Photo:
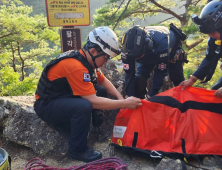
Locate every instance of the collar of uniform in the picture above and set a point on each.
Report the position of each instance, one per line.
(82, 52)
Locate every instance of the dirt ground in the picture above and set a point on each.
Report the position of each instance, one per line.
(21, 155)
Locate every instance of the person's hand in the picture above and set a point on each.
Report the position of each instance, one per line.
(218, 93)
(192, 79)
(186, 83)
(132, 102)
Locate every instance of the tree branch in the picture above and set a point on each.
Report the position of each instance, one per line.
(22, 61)
(121, 14)
(165, 20)
(117, 9)
(194, 44)
(5, 35)
(31, 56)
(139, 12)
(13, 59)
(169, 12)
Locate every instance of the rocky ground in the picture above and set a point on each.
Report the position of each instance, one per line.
(21, 155)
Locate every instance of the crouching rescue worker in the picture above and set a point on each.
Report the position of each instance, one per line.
(209, 22)
(68, 88)
(154, 48)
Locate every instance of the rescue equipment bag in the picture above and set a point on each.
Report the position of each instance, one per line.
(5, 160)
(175, 122)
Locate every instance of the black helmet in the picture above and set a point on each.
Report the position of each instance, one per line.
(135, 42)
(210, 19)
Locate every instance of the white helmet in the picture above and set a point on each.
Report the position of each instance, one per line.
(106, 39)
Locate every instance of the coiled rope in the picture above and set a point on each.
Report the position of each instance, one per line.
(111, 163)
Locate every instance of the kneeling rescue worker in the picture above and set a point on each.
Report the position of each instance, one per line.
(155, 49)
(69, 89)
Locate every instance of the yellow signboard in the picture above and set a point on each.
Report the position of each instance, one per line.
(68, 12)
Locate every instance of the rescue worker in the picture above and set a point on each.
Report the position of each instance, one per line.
(67, 90)
(209, 22)
(154, 48)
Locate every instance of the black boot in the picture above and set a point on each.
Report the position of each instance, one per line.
(87, 156)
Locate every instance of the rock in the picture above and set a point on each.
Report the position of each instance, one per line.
(23, 127)
(4, 112)
(211, 162)
(169, 164)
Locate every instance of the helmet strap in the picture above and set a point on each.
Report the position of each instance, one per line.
(94, 57)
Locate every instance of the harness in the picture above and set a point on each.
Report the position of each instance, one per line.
(177, 52)
(47, 90)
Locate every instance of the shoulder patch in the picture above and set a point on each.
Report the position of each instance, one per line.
(86, 77)
(125, 66)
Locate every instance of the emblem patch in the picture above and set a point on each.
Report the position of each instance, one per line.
(162, 66)
(125, 66)
(86, 77)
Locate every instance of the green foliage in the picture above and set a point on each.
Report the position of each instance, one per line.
(24, 40)
(10, 85)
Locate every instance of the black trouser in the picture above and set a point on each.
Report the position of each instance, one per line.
(69, 113)
(175, 71)
(217, 85)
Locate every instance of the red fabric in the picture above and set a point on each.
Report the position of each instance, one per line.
(161, 127)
